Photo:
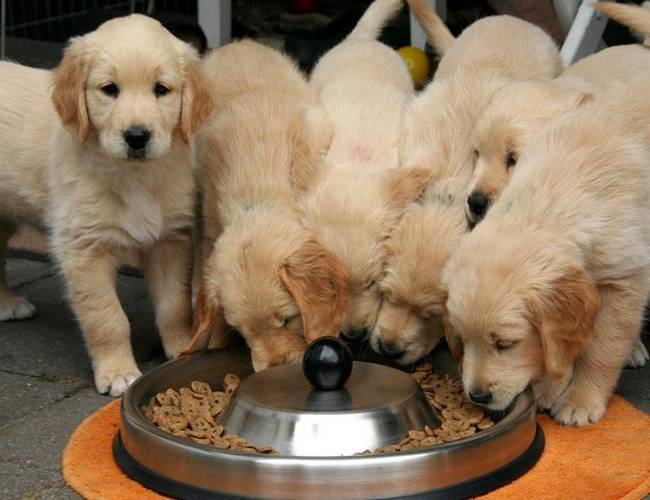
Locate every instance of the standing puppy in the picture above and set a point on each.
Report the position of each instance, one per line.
(359, 194)
(550, 288)
(435, 137)
(113, 175)
(263, 272)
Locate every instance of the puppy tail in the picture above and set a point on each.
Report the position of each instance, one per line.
(437, 32)
(634, 17)
(375, 18)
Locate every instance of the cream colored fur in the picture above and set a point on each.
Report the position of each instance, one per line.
(71, 174)
(550, 288)
(263, 272)
(353, 202)
(435, 137)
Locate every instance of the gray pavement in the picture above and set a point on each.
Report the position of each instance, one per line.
(46, 379)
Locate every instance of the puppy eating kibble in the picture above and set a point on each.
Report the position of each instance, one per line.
(105, 166)
(263, 273)
(435, 137)
(358, 195)
(550, 288)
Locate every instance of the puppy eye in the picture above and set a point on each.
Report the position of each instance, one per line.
(504, 345)
(161, 90)
(110, 89)
(511, 160)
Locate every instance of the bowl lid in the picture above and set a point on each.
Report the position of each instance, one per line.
(370, 387)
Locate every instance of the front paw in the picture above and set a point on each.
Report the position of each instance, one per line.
(115, 378)
(175, 343)
(578, 411)
(639, 355)
(12, 307)
(548, 390)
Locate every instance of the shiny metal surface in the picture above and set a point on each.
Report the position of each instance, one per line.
(380, 476)
(278, 407)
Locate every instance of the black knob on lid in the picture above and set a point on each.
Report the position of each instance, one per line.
(327, 363)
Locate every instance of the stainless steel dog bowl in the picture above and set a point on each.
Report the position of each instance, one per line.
(279, 405)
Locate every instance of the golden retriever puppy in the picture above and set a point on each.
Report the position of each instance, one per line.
(104, 164)
(550, 288)
(264, 273)
(515, 114)
(518, 110)
(436, 131)
(358, 195)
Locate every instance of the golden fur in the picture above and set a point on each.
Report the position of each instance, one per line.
(436, 130)
(73, 175)
(354, 200)
(263, 272)
(550, 288)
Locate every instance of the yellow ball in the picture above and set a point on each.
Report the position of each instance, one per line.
(417, 63)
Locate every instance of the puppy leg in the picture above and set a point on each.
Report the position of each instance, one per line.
(168, 271)
(639, 355)
(90, 273)
(548, 390)
(599, 366)
(11, 306)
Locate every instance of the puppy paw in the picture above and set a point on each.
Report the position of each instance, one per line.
(115, 381)
(567, 411)
(547, 391)
(13, 307)
(176, 343)
(639, 355)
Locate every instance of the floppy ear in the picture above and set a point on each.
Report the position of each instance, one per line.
(197, 102)
(311, 142)
(564, 317)
(69, 89)
(209, 326)
(406, 185)
(318, 283)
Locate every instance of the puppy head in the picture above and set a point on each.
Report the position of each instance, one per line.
(508, 124)
(131, 86)
(276, 285)
(409, 324)
(519, 310)
(363, 245)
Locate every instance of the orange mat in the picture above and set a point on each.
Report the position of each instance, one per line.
(608, 460)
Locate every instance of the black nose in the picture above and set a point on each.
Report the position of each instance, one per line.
(137, 137)
(390, 350)
(480, 398)
(355, 335)
(477, 203)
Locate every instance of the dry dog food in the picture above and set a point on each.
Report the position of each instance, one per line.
(459, 417)
(191, 412)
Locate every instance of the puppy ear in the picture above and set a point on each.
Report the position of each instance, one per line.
(197, 101)
(209, 326)
(406, 185)
(564, 318)
(318, 283)
(311, 141)
(69, 89)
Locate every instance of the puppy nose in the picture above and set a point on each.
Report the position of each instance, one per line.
(137, 137)
(390, 350)
(480, 398)
(477, 203)
(355, 335)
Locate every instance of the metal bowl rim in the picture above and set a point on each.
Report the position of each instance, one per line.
(138, 420)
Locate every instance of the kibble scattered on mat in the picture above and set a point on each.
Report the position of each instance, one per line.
(191, 412)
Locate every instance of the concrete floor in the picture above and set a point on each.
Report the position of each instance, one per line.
(46, 378)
